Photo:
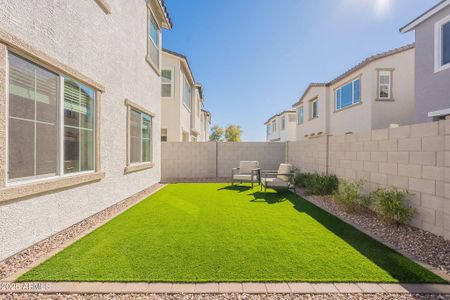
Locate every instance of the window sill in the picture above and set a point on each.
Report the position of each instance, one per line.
(45, 186)
(385, 99)
(441, 68)
(138, 167)
(347, 107)
(150, 62)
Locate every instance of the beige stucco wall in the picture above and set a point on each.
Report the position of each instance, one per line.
(313, 126)
(289, 132)
(170, 114)
(370, 113)
(123, 72)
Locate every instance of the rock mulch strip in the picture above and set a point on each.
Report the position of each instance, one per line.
(229, 296)
(424, 246)
(41, 250)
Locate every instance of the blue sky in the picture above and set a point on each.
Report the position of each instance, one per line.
(256, 57)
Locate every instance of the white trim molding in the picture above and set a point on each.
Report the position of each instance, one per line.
(438, 53)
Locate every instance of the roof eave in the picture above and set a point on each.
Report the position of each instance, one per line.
(429, 13)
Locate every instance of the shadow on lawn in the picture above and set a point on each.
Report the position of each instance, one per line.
(238, 188)
(398, 266)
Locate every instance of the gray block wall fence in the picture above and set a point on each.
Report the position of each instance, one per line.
(415, 157)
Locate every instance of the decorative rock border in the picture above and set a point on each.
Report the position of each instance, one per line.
(17, 264)
(424, 248)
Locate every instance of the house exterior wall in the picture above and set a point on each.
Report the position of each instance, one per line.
(170, 114)
(282, 135)
(432, 89)
(177, 116)
(317, 125)
(78, 34)
(370, 113)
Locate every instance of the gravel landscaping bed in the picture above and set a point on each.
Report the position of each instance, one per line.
(230, 296)
(27, 256)
(424, 246)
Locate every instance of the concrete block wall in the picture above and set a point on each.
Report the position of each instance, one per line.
(211, 160)
(308, 155)
(188, 160)
(269, 155)
(414, 158)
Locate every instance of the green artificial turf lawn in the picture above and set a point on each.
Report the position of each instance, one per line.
(219, 233)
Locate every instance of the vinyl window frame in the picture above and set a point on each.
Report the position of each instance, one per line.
(283, 123)
(379, 84)
(300, 115)
(172, 82)
(138, 166)
(438, 45)
(20, 190)
(313, 102)
(186, 83)
(354, 100)
(148, 58)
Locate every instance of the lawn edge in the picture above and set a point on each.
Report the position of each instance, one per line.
(94, 222)
(430, 268)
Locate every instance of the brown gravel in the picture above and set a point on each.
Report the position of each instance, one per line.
(229, 296)
(25, 257)
(420, 244)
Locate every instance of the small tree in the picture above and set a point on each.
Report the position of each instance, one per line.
(233, 133)
(216, 133)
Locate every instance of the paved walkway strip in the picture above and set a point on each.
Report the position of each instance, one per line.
(215, 288)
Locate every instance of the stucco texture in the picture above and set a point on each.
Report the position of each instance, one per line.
(110, 49)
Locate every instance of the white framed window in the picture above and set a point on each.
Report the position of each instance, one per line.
(348, 94)
(167, 83)
(140, 137)
(187, 93)
(51, 123)
(314, 112)
(384, 85)
(442, 45)
(268, 126)
(300, 115)
(153, 41)
(283, 122)
(274, 126)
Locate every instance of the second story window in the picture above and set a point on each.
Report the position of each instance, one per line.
(442, 42)
(283, 122)
(153, 43)
(274, 126)
(384, 85)
(268, 129)
(314, 109)
(348, 94)
(187, 93)
(300, 115)
(166, 83)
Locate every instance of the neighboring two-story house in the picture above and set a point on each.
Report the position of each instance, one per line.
(205, 125)
(281, 127)
(182, 101)
(376, 93)
(80, 111)
(432, 61)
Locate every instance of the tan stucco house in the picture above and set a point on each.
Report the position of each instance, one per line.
(432, 62)
(281, 127)
(80, 111)
(182, 101)
(376, 93)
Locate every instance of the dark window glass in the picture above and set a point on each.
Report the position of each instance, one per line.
(446, 44)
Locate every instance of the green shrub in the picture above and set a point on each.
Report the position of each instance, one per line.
(348, 195)
(389, 204)
(316, 184)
